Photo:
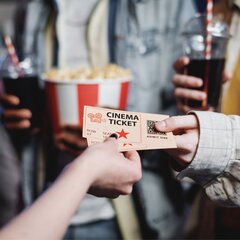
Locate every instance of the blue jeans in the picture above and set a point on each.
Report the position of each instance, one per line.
(104, 229)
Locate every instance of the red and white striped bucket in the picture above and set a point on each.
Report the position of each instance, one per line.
(66, 98)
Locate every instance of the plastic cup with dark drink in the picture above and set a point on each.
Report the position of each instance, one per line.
(25, 85)
(209, 69)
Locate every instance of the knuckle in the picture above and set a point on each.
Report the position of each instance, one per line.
(172, 121)
(176, 92)
(175, 79)
(137, 175)
(188, 94)
(184, 81)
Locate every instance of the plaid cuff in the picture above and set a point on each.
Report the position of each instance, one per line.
(214, 149)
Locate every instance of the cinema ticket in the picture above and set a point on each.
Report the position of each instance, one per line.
(135, 130)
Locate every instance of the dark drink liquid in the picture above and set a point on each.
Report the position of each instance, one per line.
(210, 71)
(29, 93)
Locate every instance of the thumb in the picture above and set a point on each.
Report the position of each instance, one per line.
(177, 123)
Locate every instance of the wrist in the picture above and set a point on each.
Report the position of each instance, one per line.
(83, 167)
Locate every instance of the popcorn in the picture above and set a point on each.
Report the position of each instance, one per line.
(110, 71)
(68, 91)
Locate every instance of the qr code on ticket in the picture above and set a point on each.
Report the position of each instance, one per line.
(151, 128)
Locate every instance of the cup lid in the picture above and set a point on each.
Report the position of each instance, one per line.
(197, 26)
(28, 67)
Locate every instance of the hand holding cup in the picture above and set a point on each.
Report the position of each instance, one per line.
(188, 88)
(13, 118)
(204, 43)
(185, 86)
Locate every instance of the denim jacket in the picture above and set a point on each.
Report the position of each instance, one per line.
(148, 41)
(144, 37)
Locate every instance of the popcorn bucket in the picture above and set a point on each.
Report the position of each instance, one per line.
(66, 98)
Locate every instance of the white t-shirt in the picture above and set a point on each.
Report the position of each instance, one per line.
(71, 31)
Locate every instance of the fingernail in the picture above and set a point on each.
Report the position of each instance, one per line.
(161, 124)
(199, 83)
(186, 60)
(203, 96)
(29, 114)
(114, 135)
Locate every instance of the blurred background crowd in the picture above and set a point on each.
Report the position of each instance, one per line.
(144, 36)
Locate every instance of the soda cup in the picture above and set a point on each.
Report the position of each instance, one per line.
(25, 86)
(209, 69)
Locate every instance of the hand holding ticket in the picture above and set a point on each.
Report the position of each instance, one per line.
(135, 131)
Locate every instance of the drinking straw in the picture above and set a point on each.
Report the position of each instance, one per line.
(13, 55)
(208, 27)
(208, 51)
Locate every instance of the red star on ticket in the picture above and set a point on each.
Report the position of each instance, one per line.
(123, 134)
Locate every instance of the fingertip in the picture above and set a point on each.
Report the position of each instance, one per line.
(161, 126)
(185, 60)
(22, 113)
(180, 64)
(199, 83)
(12, 100)
(227, 76)
(16, 100)
(28, 113)
(25, 124)
(128, 190)
(203, 96)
